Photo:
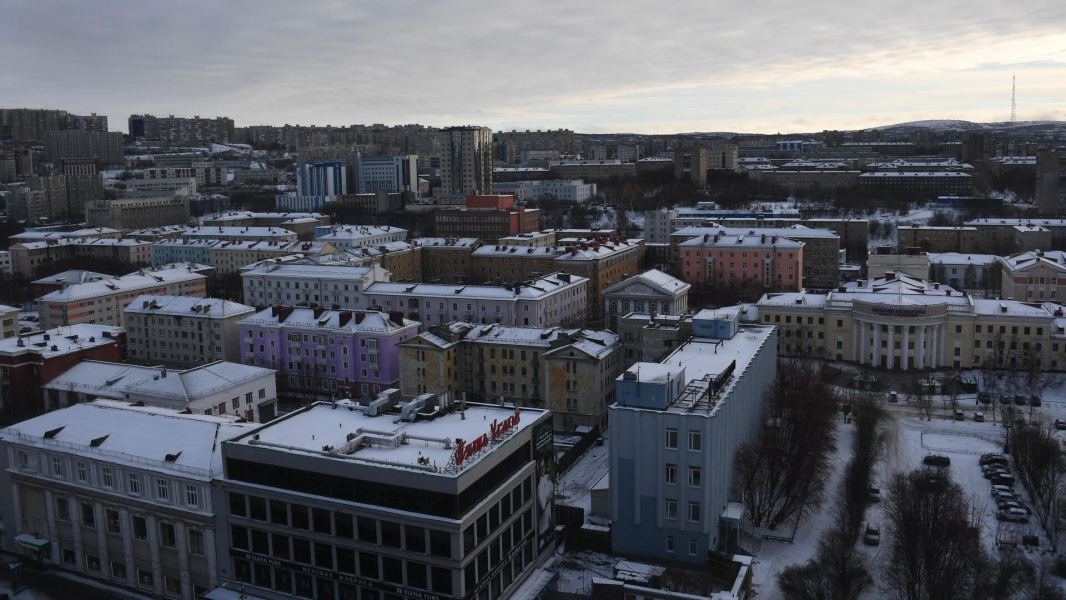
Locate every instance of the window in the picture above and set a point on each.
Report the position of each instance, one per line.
(135, 484)
(192, 495)
(107, 477)
(694, 512)
(162, 489)
(692, 547)
(196, 542)
(113, 524)
(671, 473)
(695, 440)
(167, 535)
(88, 515)
(670, 544)
(140, 528)
(62, 509)
(671, 439)
(57, 466)
(694, 477)
(83, 472)
(671, 509)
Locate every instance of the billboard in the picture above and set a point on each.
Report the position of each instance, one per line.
(545, 455)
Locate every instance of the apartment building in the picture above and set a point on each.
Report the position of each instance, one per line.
(592, 170)
(374, 174)
(118, 493)
(219, 130)
(174, 185)
(937, 239)
(349, 237)
(754, 261)
(1051, 182)
(108, 149)
(102, 301)
(512, 144)
(806, 179)
(28, 362)
(342, 287)
(138, 213)
(926, 184)
(512, 264)
(231, 256)
(999, 236)
(568, 190)
(690, 165)
(487, 218)
(466, 160)
(570, 371)
(321, 353)
(603, 262)
(256, 176)
(912, 262)
(447, 260)
(27, 258)
(183, 331)
(321, 178)
(218, 388)
(652, 291)
(243, 234)
(557, 300)
(30, 124)
(1035, 276)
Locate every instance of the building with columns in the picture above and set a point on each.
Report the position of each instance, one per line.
(901, 322)
(118, 493)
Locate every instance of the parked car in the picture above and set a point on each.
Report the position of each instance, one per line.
(1013, 514)
(1004, 504)
(1035, 400)
(979, 417)
(875, 494)
(959, 416)
(1003, 479)
(937, 460)
(1019, 399)
(872, 535)
(893, 397)
(1004, 399)
(984, 397)
(991, 458)
(990, 473)
(1004, 495)
(1060, 424)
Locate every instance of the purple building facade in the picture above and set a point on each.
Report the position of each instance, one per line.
(322, 353)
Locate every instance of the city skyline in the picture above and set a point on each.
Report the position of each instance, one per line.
(651, 69)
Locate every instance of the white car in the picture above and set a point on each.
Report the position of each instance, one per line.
(1014, 514)
(1003, 495)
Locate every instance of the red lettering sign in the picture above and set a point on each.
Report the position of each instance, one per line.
(464, 449)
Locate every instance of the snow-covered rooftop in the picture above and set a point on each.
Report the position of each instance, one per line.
(532, 291)
(187, 306)
(1056, 259)
(333, 320)
(61, 340)
(448, 242)
(116, 379)
(957, 258)
(385, 441)
(151, 438)
(144, 279)
(216, 232)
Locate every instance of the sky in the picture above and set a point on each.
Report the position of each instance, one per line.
(752, 66)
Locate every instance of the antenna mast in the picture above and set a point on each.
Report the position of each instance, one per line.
(1013, 106)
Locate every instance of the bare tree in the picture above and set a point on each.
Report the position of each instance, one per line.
(837, 572)
(783, 474)
(936, 550)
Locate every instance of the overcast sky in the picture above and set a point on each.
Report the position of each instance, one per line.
(615, 66)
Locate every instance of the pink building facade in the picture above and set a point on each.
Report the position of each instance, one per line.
(765, 262)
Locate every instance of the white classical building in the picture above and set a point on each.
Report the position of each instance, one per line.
(118, 493)
(652, 291)
(901, 322)
(349, 237)
(220, 388)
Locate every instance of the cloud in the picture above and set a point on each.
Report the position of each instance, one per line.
(592, 66)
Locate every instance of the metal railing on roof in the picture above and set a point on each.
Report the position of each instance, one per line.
(152, 462)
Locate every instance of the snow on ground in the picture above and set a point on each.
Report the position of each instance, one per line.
(574, 485)
(774, 557)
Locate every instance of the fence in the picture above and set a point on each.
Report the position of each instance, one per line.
(987, 438)
(570, 457)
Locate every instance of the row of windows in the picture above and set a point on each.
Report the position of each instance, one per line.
(419, 540)
(132, 483)
(695, 439)
(113, 525)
